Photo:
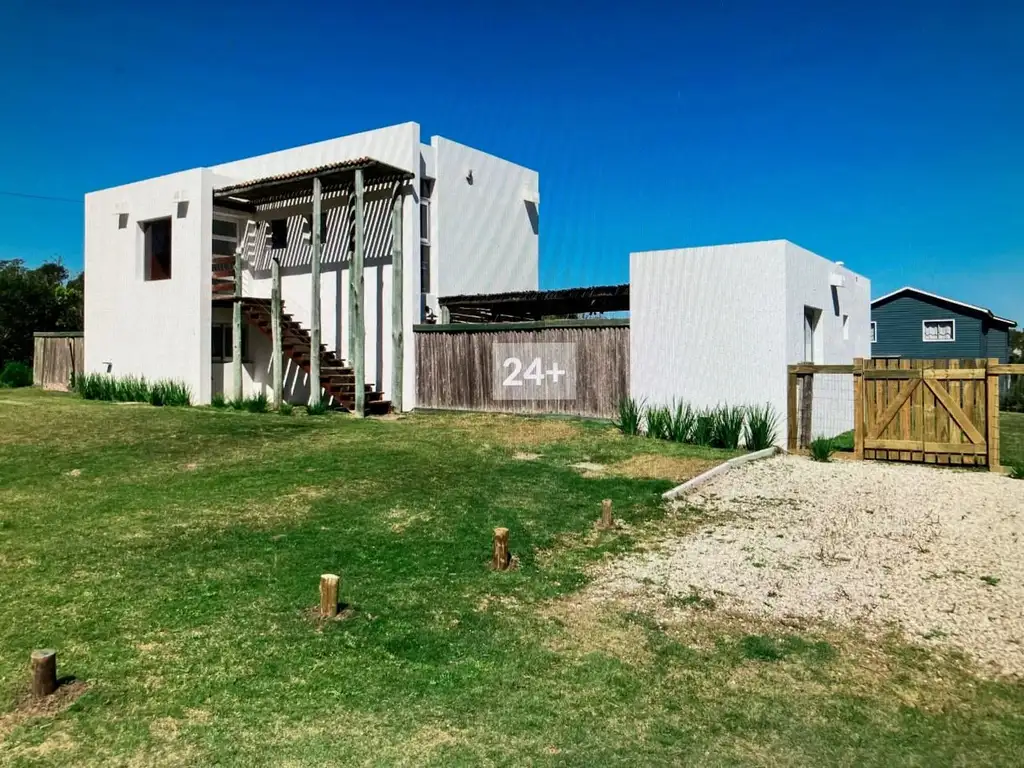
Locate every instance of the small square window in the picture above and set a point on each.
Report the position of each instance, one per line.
(938, 330)
(874, 331)
(156, 236)
(279, 233)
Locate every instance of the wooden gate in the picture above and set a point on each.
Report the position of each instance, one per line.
(931, 411)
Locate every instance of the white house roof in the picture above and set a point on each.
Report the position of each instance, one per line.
(947, 300)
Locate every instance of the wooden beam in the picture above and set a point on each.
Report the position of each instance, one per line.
(1007, 369)
(356, 302)
(811, 368)
(926, 447)
(314, 331)
(992, 413)
(397, 302)
(277, 360)
(956, 412)
(858, 407)
(806, 410)
(236, 330)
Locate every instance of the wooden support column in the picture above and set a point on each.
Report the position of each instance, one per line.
(858, 408)
(356, 303)
(397, 302)
(992, 414)
(314, 331)
(277, 360)
(236, 330)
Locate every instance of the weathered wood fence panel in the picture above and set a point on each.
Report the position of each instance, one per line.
(455, 366)
(55, 357)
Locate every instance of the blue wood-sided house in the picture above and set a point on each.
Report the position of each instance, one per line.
(912, 323)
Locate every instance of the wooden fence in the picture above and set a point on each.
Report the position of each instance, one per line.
(55, 357)
(926, 411)
(455, 367)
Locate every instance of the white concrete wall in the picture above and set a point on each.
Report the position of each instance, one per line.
(808, 285)
(399, 146)
(707, 325)
(157, 329)
(485, 233)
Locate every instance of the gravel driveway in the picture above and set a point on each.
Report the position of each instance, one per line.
(935, 552)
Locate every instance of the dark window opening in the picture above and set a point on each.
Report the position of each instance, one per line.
(157, 237)
(221, 343)
(279, 233)
(426, 188)
(424, 268)
(424, 221)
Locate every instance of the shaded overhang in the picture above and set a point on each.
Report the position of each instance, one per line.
(535, 305)
(250, 195)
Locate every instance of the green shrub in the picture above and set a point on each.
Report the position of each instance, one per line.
(286, 409)
(131, 389)
(682, 422)
(168, 392)
(218, 401)
(703, 428)
(631, 413)
(822, 448)
(728, 426)
(317, 410)
(16, 374)
(1017, 470)
(256, 403)
(1013, 398)
(659, 422)
(761, 429)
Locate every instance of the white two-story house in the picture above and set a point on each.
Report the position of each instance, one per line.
(161, 257)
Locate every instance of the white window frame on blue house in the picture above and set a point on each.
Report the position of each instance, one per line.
(924, 325)
(874, 331)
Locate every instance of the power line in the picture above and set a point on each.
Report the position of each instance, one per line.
(41, 197)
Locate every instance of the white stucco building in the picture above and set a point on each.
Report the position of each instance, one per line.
(159, 256)
(720, 324)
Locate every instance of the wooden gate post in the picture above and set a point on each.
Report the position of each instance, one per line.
(806, 406)
(858, 407)
(992, 413)
(791, 424)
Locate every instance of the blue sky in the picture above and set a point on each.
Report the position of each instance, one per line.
(886, 135)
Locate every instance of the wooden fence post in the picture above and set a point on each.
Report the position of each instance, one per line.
(500, 558)
(44, 673)
(791, 423)
(858, 407)
(992, 414)
(329, 595)
(607, 521)
(806, 406)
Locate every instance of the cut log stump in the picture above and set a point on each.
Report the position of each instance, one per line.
(329, 595)
(607, 521)
(44, 672)
(501, 558)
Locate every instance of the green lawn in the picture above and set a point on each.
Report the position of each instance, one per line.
(1011, 439)
(172, 556)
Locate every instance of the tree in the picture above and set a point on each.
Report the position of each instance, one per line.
(1017, 346)
(42, 299)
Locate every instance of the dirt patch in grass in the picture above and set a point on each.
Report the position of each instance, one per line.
(29, 708)
(653, 466)
(587, 626)
(400, 519)
(523, 456)
(505, 430)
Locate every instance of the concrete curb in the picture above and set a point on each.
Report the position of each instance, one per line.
(714, 472)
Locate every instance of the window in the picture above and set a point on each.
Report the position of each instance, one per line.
(424, 268)
(225, 237)
(307, 233)
(813, 352)
(938, 330)
(846, 327)
(279, 233)
(156, 236)
(874, 331)
(221, 343)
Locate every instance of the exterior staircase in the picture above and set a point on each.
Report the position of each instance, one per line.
(337, 380)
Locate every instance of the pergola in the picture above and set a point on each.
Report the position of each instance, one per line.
(258, 196)
(533, 305)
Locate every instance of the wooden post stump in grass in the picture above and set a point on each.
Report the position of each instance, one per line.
(44, 673)
(501, 558)
(606, 514)
(329, 595)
